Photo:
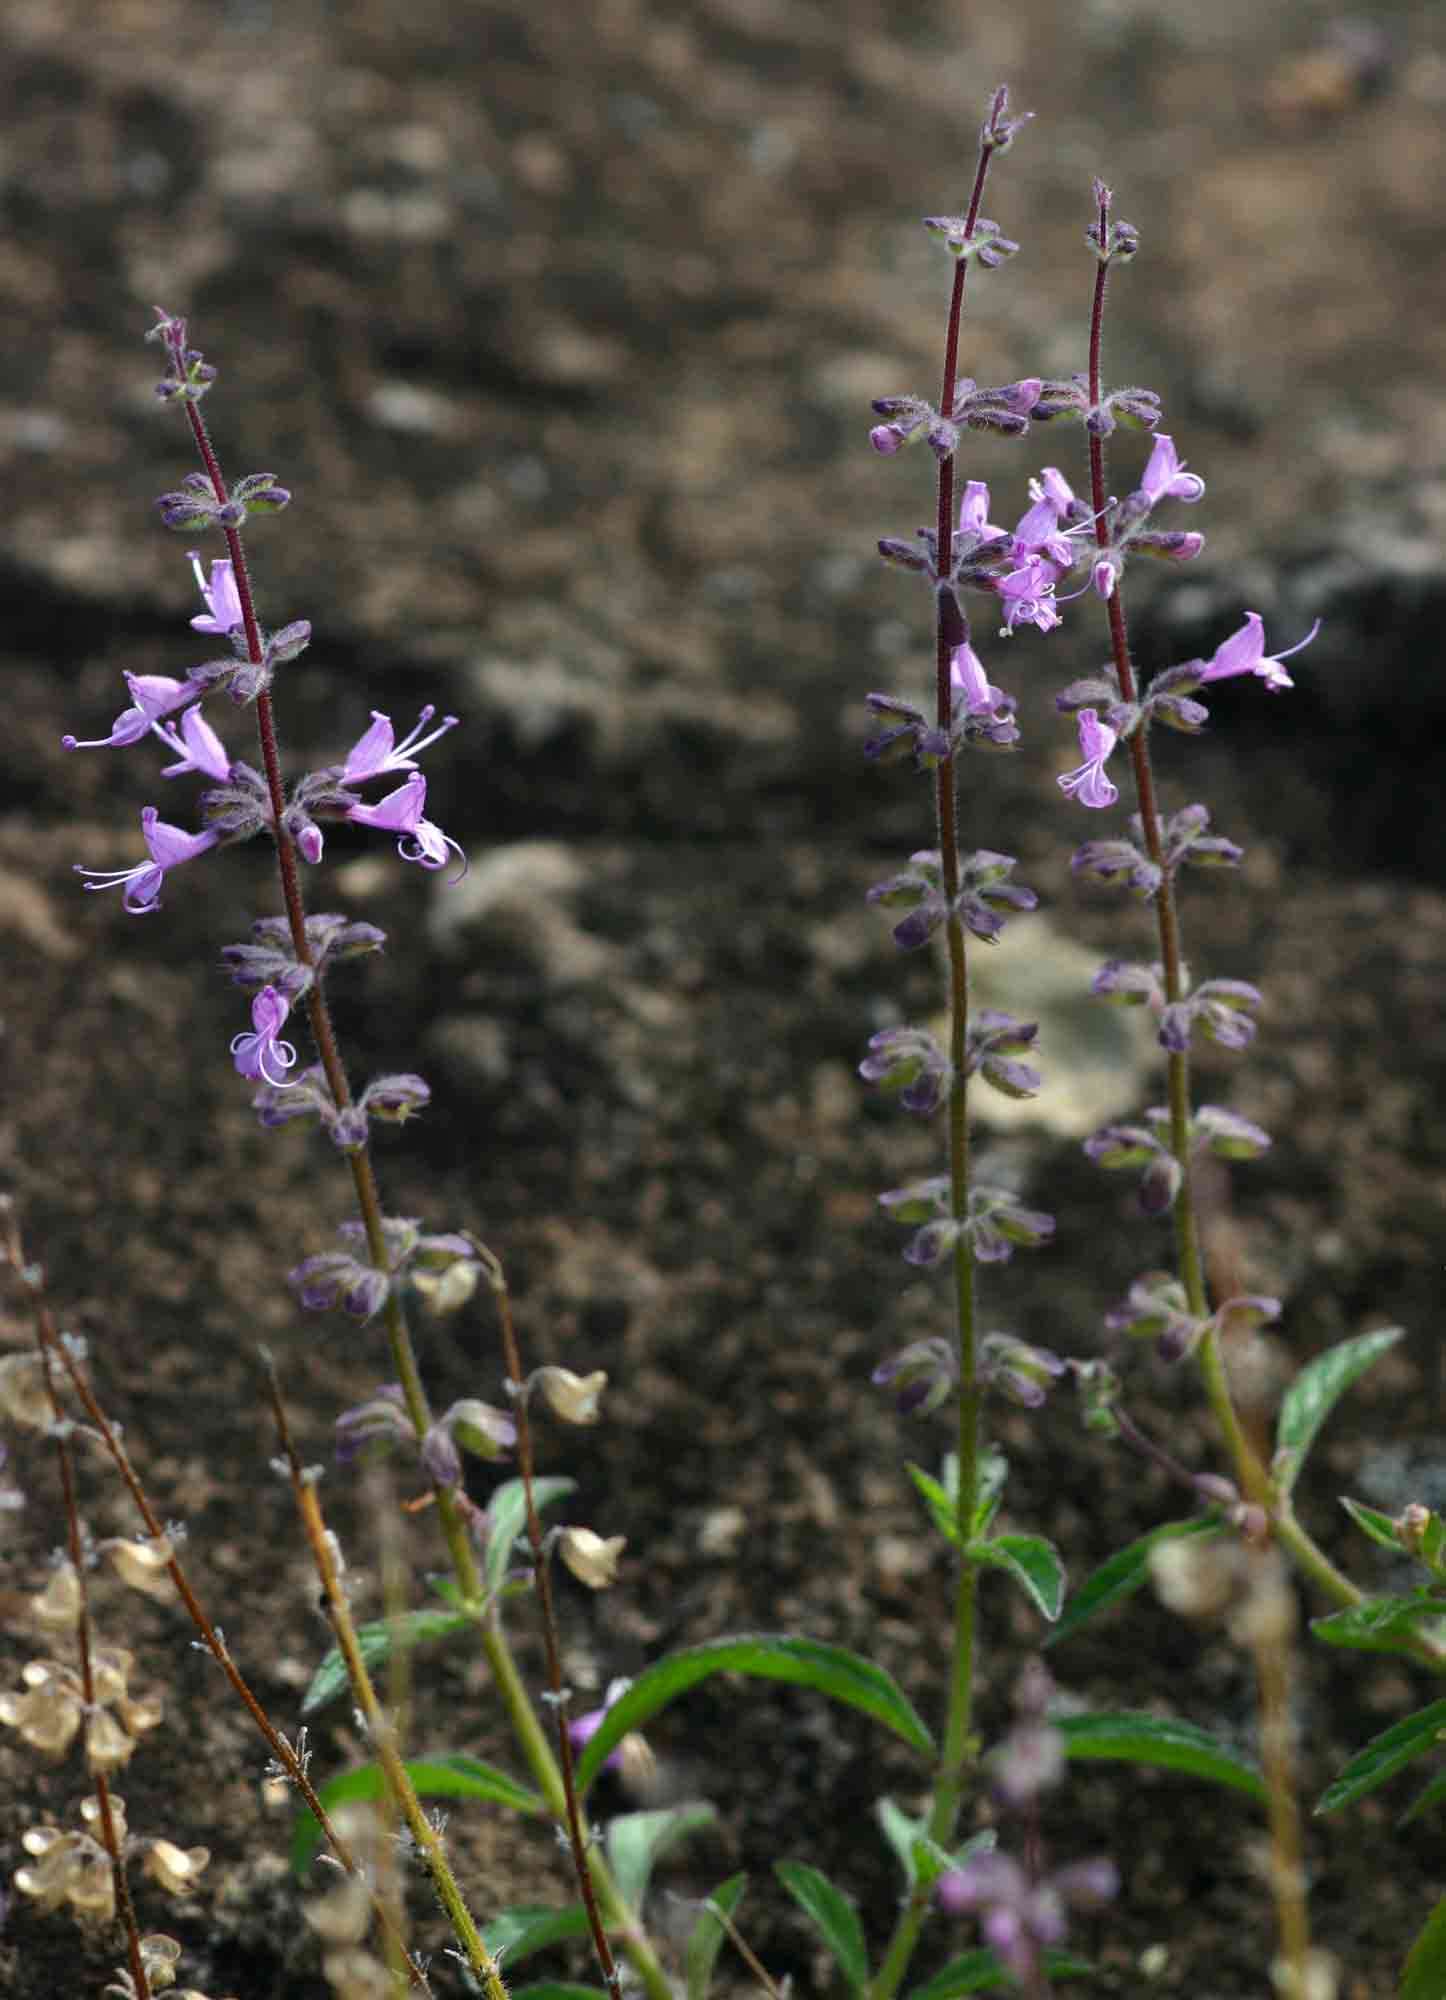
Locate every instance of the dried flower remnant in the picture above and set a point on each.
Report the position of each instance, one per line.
(592, 1558)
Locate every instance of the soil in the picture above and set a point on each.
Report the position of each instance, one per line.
(562, 324)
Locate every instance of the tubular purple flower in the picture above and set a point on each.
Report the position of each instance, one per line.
(223, 604)
(198, 747)
(1038, 533)
(151, 695)
(1105, 575)
(261, 1056)
(1027, 595)
(974, 513)
(1088, 783)
(376, 751)
(401, 812)
(168, 846)
(967, 677)
(1244, 653)
(1165, 477)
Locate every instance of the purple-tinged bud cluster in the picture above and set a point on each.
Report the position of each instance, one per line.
(1184, 838)
(994, 1224)
(188, 375)
(985, 242)
(984, 892)
(993, 1042)
(1223, 1133)
(1157, 1308)
(1018, 1370)
(270, 960)
(922, 1376)
(1221, 1008)
(910, 1065)
(381, 1420)
(471, 1426)
(343, 1280)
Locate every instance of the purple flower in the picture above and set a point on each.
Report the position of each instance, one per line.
(967, 677)
(1028, 596)
(1088, 783)
(1244, 653)
(401, 812)
(583, 1728)
(1038, 533)
(1056, 489)
(152, 695)
(223, 603)
(974, 512)
(376, 751)
(198, 747)
(261, 1056)
(1165, 476)
(168, 847)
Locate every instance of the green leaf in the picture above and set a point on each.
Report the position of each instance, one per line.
(1317, 1389)
(452, 1776)
(707, 1936)
(1163, 1742)
(411, 1629)
(832, 1670)
(1423, 1976)
(1380, 1527)
(1033, 1563)
(1386, 1754)
(1121, 1575)
(835, 1915)
(519, 1932)
(507, 1518)
(1380, 1625)
(937, 1499)
(978, 1970)
(901, 1832)
(636, 1842)
(1424, 1800)
(558, 1989)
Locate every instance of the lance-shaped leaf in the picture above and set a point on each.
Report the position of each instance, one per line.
(831, 1670)
(1163, 1742)
(1386, 1754)
(1316, 1390)
(1121, 1575)
(981, 1972)
(636, 1842)
(519, 1932)
(453, 1776)
(835, 1915)
(376, 1641)
(507, 1517)
(1381, 1624)
(1033, 1563)
(706, 1936)
(1423, 1976)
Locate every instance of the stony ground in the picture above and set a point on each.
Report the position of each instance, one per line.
(563, 326)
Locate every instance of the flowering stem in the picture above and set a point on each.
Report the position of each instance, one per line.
(554, 1782)
(957, 1746)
